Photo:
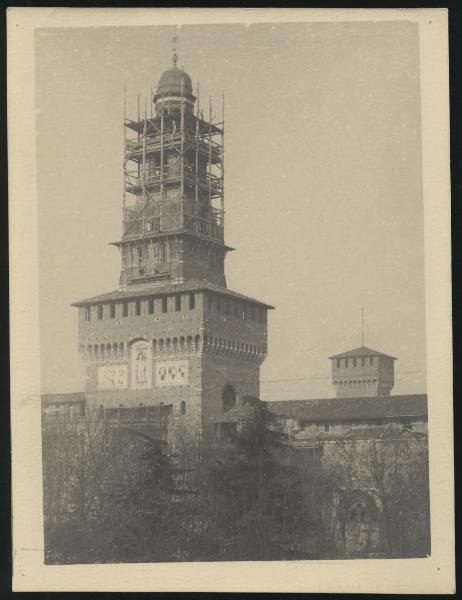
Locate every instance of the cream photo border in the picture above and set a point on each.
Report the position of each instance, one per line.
(434, 574)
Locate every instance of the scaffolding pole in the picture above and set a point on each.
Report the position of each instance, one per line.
(144, 151)
(182, 142)
(197, 153)
(124, 191)
(210, 152)
(162, 150)
(222, 155)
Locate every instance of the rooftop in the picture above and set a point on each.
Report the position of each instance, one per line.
(153, 290)
(380, 432)
(69, 398)
(338, 409)
(361, 351)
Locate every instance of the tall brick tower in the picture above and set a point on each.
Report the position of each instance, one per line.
(172, 333)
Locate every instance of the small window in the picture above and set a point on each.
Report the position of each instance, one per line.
(112, 310)
(151, 306)
(183, 407)
(125, 309)
(326, 426)
(338, 363)
(346, 363)
(363, 361)
(162, 252)
(177, 302)
(100, 311)
(87, 313)
(354, 362)
(192, 301)
(164, 304)
(138, 308)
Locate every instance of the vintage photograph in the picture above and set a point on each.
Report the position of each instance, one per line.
(232, 300)
(230, 267)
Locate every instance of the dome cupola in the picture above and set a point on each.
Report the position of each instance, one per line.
(173, 82)
(174, 87)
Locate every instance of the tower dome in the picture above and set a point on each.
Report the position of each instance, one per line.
(174, 88)
(172, 81)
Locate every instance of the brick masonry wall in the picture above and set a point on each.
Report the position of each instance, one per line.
(221, 349)
(367, 380)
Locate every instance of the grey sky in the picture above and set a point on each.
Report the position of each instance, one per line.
(322, 189)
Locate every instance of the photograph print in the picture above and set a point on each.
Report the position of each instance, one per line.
(232, 292)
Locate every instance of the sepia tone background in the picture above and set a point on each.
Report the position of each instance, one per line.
(323, 191)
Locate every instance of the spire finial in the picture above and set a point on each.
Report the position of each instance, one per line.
(362, 325)
(174, 54)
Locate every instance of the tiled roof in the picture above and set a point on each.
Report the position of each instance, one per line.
(159, 290)
(63, 398)
(341, 409)
(392, 433)
(383, 432)
(361, 351)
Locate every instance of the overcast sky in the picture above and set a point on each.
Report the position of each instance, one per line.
(323, 191)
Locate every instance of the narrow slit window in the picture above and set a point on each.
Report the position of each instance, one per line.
(164, 304)
(151, 306)
(178, 303)
(338, 363)
(138, 308)
(192, 301)
(100, 311)
(125, 309)
(87, 313)
(112, 310)
(354, 362)
(183, 407)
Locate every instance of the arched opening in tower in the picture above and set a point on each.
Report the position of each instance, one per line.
(229, 398)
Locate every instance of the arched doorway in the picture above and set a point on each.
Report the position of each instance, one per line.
(361, 525)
